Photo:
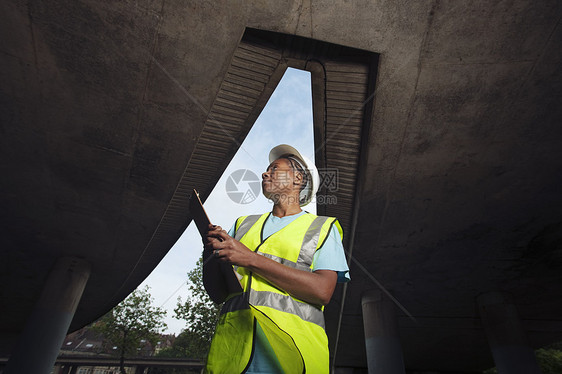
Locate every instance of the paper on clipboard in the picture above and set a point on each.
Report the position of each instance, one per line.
(198, 214)
(219, 278)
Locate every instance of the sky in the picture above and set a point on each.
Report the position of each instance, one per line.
(286, 119)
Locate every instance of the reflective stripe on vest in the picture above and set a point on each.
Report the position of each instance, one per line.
(283, 303)
(310, 241)
(246, 223)
(287, 304)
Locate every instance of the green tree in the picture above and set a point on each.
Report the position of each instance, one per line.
(548, 358)
(131, 321)
(200, 314)
(183, 347)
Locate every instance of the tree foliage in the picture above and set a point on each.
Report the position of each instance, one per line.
(201, 316)
(549, 360)
(184, 346)
(130, 322)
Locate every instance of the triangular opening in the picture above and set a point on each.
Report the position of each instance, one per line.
(286, 119)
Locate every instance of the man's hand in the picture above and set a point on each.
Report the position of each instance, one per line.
(227, 249)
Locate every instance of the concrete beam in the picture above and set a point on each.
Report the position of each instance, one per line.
(40, 342)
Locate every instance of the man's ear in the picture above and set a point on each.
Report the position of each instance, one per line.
(298, 178)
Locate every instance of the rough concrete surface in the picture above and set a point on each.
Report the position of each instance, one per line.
(102, 105)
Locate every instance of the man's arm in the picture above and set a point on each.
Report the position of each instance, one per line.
(313, 287)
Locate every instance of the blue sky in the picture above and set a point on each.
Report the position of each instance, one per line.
(286, 119)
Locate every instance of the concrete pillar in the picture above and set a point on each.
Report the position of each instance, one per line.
(345, 370)
(508, 342)
(40, 341)
(384, 352)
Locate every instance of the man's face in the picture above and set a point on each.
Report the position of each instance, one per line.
(279, 179)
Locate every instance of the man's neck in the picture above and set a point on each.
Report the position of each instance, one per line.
(282, 210)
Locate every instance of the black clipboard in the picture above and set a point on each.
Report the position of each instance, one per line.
(219, 278)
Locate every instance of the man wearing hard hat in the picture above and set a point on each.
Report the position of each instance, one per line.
(289, 262)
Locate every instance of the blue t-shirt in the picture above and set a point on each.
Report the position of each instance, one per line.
(330, 256)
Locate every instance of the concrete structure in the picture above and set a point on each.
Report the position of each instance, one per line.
(382, 342)
(508, 342)
(39, 343)
(443, 118)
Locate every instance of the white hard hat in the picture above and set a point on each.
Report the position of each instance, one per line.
(313, 180)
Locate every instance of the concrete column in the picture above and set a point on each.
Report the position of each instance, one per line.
(384, 352)
(343, 370)
(40, 341)
(508, 342)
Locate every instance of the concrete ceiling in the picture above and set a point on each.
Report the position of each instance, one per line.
(105, 108)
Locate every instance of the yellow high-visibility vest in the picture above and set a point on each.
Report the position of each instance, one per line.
(294, 328)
